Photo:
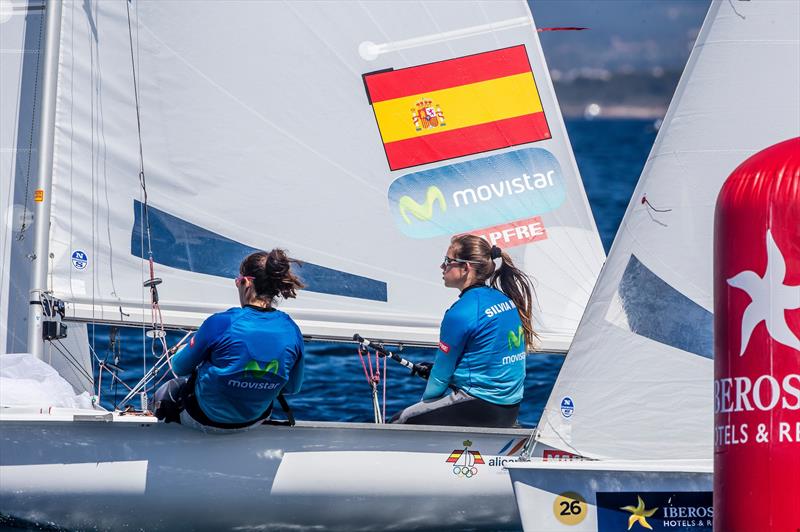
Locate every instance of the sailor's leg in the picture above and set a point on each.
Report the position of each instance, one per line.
(460, 409)
(432, 412)
(167, 404)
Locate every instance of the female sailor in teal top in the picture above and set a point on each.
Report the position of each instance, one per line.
(241, 359)
(478, 375)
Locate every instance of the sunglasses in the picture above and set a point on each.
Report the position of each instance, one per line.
(447, 261)
(241, 278)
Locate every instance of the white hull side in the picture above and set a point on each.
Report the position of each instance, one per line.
(538, 484)
(326, 476)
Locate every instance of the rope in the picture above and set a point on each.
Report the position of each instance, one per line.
(156, 318)
(565, 28)
(142, 180)
(373, 377)
(24, 225)
(384, 389)
(161, 362)
(72, 360)
(113, 347)
(363, 365)
(645, 201)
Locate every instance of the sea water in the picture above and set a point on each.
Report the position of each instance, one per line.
(610, 156)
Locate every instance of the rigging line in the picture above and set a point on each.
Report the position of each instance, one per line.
(96, 119)
(73, 361)
(142, 180)
(148, 376)
(160, 363)
(114, 376)
(117, 379)
(84, 372)
(94, 353)
(23, 227)
(75, 369)
(384, 389)
(114, 380)
(155, 310)
(645, 201)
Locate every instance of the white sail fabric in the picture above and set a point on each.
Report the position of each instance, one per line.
(258, 131)
(637, 381)
(11, 52)
(20, 39)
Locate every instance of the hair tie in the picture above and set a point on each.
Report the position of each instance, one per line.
(496, 252)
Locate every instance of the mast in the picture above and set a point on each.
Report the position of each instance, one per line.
(44, 178)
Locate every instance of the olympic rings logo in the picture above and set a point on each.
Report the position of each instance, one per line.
(465, 471)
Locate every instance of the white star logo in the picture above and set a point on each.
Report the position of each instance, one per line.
(770, 298)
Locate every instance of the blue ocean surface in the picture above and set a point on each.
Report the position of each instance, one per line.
(610, 156)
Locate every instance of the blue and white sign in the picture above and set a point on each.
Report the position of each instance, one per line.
(79, 260)
(477, 194)
(672, 511)
(567, 407)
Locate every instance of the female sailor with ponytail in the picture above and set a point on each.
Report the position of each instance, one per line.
(483, 340)
(241, 359)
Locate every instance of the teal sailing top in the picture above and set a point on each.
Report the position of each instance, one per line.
(244, 357)
(481, 348)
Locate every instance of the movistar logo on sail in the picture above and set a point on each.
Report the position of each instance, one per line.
(476, 194)
(422, 212)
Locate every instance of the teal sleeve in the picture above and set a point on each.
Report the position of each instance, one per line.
(185, 361)
(452, 339)
(296, 375)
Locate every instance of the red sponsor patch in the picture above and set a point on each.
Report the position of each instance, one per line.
(553, 456)
(513, 234)
(444, 347)
(191, 342)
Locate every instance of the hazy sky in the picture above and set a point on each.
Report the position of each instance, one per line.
(623, 34)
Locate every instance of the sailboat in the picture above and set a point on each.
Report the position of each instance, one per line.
(174, 138)
(633, 404)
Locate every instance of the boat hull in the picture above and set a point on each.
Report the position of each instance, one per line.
(326, 476)
(593, 495)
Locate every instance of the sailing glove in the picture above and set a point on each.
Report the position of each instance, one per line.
(423, 369)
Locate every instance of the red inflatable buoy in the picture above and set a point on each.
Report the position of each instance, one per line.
(757, 344)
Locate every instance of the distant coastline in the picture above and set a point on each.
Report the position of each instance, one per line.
(603, 94)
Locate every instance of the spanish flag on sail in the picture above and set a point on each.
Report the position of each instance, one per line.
(457, 107)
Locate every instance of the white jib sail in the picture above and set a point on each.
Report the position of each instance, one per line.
(271, 124)
(637, 381)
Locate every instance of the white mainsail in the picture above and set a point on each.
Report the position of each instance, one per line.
(19, 58)
(21, 43)
(258, 131)
(637, 380)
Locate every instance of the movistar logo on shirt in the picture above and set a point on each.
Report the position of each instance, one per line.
(514, 340)
(253, 369)
(476, 194)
